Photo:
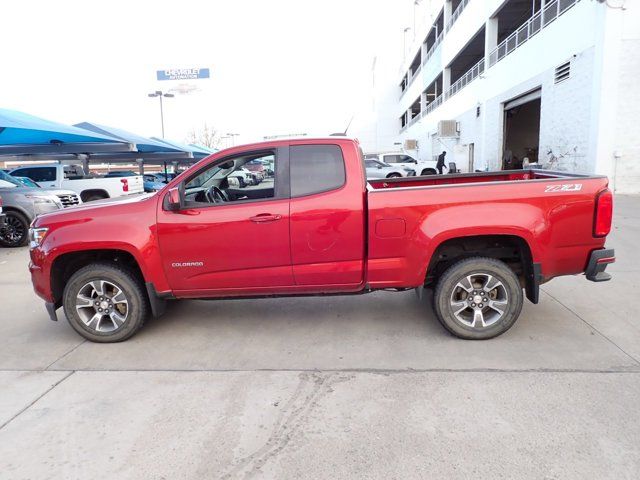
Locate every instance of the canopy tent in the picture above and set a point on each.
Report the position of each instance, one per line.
(21, 133)
(197, 151)
(143, 144)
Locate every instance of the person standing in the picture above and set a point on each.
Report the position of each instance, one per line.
(440, 163)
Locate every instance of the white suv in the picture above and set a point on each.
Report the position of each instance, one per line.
(401, 159)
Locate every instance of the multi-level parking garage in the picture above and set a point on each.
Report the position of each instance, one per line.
(494, 82)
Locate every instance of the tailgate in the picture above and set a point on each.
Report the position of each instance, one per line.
(136, 184)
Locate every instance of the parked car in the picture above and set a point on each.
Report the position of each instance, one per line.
(401, 159)
(160, 177)
(2, 216)
(478, 240)
(244, 177)
(22, 204)
(378, 169)
(151, 183)
(72, 177)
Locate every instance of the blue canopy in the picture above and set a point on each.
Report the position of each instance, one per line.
(17, 128)
(197, 151)
(143, 144)
(203, 149)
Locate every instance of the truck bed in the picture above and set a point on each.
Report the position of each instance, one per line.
(478, 177)
(410, 217)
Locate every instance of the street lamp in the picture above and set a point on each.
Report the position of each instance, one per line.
(233, 140)
(404, 44)
(160, 94)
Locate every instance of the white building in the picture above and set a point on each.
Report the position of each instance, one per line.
(493, 81)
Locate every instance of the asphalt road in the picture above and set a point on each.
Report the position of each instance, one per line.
(340, 387)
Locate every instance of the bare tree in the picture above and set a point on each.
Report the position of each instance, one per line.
(206, 136)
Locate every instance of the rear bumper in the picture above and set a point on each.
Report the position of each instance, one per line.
(598, 261)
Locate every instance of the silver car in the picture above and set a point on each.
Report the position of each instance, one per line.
(377, 169)
(22, 204)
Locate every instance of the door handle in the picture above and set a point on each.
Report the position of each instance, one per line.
(265, 217)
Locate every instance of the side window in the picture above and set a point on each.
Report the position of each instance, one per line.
(391, 159)
(38, 174)
(315, 169)
(370, 163)
(405, 159)
(248, 177)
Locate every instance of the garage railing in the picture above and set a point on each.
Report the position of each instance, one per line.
(551, 11)
(473, 73)
(456, 14)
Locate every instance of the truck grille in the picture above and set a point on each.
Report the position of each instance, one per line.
(69, 200)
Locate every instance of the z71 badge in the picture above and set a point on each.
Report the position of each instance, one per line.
(568, 187)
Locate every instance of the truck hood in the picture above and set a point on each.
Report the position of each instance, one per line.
(35, 191)
(90, 209)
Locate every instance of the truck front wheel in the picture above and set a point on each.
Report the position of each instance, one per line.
(105, 303)
(478, 298)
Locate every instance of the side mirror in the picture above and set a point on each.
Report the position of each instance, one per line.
(173, 199)
(379, 167)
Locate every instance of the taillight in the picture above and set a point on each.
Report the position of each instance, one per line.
(604, 214)
(125, 184)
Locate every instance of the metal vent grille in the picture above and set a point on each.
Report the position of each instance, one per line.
(562, 72)
(69, 200)
(448, 128)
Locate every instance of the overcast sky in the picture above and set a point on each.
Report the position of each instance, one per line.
(277, 66)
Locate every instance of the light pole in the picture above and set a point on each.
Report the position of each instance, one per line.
(233, 139)
(404, 44)
(415, 4)
(160, 94)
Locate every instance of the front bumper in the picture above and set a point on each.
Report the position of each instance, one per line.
(598, 261)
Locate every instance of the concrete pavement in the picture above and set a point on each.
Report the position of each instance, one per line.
(346, 387)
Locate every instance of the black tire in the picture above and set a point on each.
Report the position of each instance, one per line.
(14, 232)
(137, 307)
(394, 175)
(452, 289)
(428, 171)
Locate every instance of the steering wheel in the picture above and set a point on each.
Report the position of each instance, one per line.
(216, 195)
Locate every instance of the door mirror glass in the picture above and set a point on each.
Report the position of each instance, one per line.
(173, 199)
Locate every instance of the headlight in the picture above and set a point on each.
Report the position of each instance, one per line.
(36, 236)
(43, 199)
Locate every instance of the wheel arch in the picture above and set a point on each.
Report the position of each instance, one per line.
(514, 250)
(66, 264)
(94, 191)
(18, 209)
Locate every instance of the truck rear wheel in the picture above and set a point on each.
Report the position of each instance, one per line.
(105, 303)
(478, 298)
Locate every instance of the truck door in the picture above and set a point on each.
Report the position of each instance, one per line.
(327, 216)
(228, 240)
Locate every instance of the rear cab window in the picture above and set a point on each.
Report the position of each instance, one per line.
(315, 169)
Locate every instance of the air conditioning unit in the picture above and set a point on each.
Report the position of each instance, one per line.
(410, 144)
(448, 128)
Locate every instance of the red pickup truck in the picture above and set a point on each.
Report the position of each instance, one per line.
(315, 226)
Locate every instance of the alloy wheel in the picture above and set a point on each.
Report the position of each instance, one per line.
(479, 300)
(102, 306)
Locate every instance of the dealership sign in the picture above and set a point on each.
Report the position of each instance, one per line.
(182, 73)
